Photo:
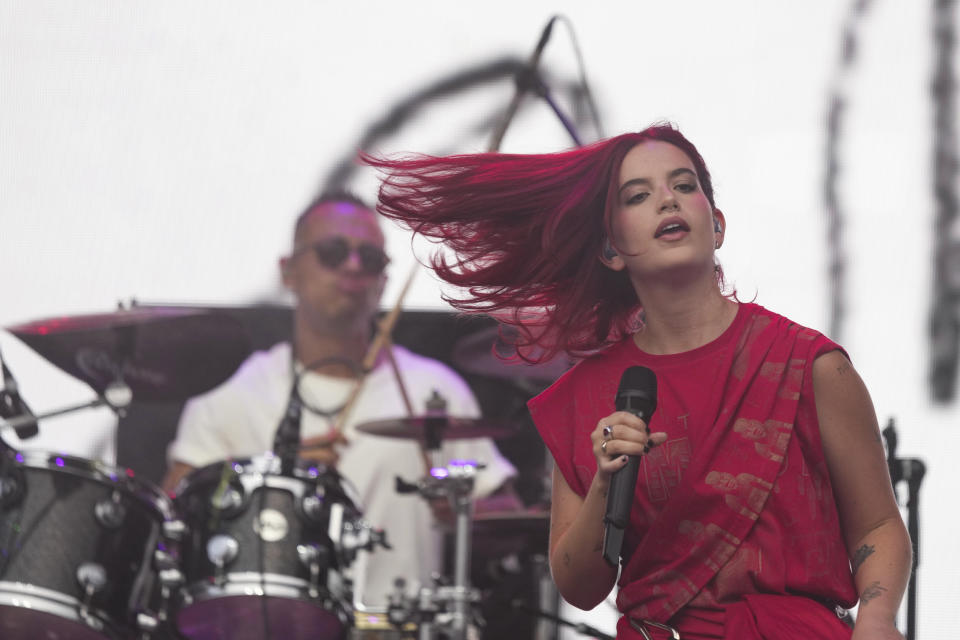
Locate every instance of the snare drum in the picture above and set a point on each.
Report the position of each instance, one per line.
(86, 550)
(264, 555)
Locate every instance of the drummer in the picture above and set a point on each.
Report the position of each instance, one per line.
(336, 272)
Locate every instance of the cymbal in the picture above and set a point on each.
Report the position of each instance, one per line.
(482, 353)
(415, 428)
(163, 354)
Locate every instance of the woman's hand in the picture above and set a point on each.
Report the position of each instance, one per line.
(619, 435)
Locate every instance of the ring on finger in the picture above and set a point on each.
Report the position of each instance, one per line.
(607, 432)
(603, 446)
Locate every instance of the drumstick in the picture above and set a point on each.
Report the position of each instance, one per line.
(380, 340)
(428, 461)
(399, 377)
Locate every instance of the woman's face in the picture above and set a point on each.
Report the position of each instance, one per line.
(662, 221)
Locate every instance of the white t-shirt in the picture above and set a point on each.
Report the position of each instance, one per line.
(239, 419)
(86, 433)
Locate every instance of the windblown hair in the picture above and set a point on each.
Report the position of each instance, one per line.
(527, 232)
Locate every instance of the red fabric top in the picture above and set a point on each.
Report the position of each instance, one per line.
(738, 500)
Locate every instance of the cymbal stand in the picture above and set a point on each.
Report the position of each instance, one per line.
(910, 471)
(444, 608)
(117, 396)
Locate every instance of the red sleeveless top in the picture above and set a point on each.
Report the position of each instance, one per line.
(738, 500)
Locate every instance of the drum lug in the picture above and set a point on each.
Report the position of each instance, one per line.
(110, 512)
(163, 560)
(168, 573)
(221, 550)
(174, 529)
(93, 578)
(228, 501)
(11, 488)
(147, 623)
(311, 556)
(312, 506)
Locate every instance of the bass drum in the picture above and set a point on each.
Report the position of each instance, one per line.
(86, 550)
(265, 554)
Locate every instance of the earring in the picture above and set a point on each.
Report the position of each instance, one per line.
(609, 253)
(716, 245)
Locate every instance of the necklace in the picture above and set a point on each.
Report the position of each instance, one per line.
(297, 373)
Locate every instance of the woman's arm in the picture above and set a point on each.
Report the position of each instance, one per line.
(876, 539)
(581, 574)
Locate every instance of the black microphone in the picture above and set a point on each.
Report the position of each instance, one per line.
(286, 443)
(13, 406)
(525, 79)
(638, 395)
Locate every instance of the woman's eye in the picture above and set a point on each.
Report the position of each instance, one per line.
(686, 187)
(637, 198)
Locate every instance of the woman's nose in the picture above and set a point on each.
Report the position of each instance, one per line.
(668, 201)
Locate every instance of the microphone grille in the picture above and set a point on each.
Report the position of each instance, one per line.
(639, 382)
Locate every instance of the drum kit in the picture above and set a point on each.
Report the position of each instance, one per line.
(250, 548)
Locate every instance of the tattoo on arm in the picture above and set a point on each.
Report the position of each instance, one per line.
(860, 555)
(566, 559)
(842, 369)
(599, 547)
(871, 592)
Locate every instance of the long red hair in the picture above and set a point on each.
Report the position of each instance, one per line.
(527, 232)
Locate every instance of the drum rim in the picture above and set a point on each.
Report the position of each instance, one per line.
(52, 602)
(268, 585)
(263, 471)
(123, 478)
(266, 465)
(229, 582)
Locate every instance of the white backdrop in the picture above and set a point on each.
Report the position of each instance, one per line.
(160, 150)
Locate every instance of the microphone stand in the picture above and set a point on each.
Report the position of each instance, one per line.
(529, 79)
(911, 471)
(117, 396)
(286, 442)
(533, 81)
(13, 406)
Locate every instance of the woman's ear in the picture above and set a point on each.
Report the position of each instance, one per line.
(609, 256)
(719, 227)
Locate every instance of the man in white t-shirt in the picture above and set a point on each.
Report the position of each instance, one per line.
(336, 273)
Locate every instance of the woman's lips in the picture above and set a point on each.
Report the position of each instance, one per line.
(672, 227)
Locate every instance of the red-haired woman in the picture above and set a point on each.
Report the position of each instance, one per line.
(763, 502)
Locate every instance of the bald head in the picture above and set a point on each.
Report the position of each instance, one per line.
(335, 203)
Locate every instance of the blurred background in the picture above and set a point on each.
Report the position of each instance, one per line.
(160, 151)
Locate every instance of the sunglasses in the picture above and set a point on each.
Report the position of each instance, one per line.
(333, 252)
